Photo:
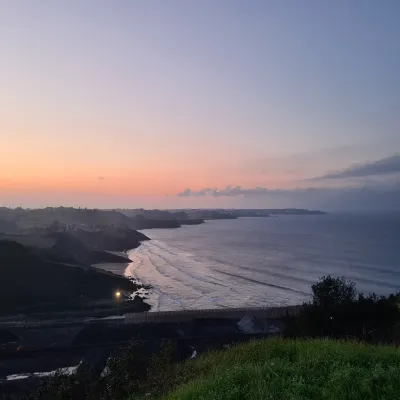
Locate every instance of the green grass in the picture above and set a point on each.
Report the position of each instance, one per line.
(294, 369)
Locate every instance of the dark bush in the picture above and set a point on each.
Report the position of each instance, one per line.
(84, 385)
(330, 293)
(337, 310)
(134, 371)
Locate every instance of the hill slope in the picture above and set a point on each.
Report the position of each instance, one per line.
(294, 369)
(32, 281)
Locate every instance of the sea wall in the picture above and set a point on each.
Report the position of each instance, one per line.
(228, 313)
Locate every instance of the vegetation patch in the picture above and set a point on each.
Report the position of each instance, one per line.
(294, 369)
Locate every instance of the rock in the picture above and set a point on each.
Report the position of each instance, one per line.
(251, 324)
(274, 329)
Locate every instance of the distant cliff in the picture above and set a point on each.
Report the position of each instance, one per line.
(238, 213)
(151, 219)
(191, 221)
(183, 219)
(211, 214)
(113, 239)
(293, 211)
(278, 211)
(250, 213)
(90, 250)
(147, 214)
(144, 223)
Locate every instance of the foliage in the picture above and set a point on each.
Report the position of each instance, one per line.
(295, 369)
(134, 370)
(61, 387)
(330, 293)
(139, 370)
(337, 310)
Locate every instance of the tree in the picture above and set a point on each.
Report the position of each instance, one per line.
(338, 310)
(331, 293)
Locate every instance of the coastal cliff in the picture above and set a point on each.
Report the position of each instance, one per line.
(144, 223)
(112, 239)
(191, 221)
(81, 247)
(36, 279)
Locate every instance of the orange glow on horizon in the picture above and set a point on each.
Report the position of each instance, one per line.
(44, 167)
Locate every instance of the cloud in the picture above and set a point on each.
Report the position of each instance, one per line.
(232, 191)
(101, 178)
(385, 166)
(382, 197)
(229, 191)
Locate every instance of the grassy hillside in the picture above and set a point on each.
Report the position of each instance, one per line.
(269, 369)
(294, 369)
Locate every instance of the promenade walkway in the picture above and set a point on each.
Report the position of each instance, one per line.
(227, 313)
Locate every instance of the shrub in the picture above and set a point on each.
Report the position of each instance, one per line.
(135, 370)
(337, 310)
(62, 387)
(330, 293)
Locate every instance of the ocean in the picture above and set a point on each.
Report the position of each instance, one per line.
(266, 261)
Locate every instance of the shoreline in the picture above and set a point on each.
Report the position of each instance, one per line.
(103, 307)
(177, 277)
(144, 288)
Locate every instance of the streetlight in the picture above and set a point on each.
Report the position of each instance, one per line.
(117, 297)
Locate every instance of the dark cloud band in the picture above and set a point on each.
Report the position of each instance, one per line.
(388, 165)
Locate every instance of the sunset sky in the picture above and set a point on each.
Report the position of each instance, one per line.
(175, 103)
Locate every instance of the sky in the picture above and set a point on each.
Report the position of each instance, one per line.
(212, 103)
